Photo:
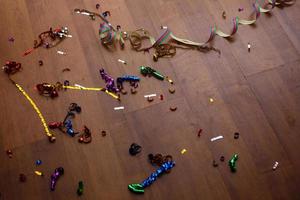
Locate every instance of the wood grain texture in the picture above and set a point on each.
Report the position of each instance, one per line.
(256, 94)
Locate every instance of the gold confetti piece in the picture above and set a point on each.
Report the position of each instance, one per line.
(183, 151)
(211, 100)
(38, 173)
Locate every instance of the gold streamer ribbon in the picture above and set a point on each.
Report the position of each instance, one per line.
(37, 110)
(93, 89)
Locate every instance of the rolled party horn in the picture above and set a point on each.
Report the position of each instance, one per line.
(54, 177)
(232, 162)
(110, 83)
(151, 72)
(139, 187)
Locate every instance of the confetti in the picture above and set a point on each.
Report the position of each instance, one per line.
(97, 6)
(216, 138)
(249, 47)
(241, 9)
(150, 95)
(61, 52)
(122, 61)
(41, 63)
(38, 173)
(211, 100)
(80, 86)
(183, 151)
(11, 39)
(119, 108)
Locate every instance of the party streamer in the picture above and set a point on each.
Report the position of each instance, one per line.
(37, 110)
(110, 36)
(93, 89)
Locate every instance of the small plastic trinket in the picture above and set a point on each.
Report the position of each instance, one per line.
(22, 178)
(38, 162)
(275, 165)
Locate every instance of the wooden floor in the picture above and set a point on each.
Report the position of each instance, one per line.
(256, 94)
